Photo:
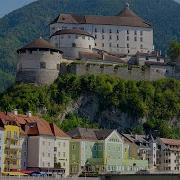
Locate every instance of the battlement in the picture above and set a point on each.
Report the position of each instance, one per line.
(124, 71)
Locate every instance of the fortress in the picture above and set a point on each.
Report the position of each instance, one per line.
(120, 45)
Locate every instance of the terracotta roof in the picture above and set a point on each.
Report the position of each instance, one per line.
(125, 18)
(72, 31)
(35, 125)
(172, 142)
(90, 55)
(90, 134)
(58, 132)
(39, 44)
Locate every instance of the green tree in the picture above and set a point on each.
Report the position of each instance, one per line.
(174, 50)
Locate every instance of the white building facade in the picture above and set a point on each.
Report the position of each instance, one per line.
(125, 33)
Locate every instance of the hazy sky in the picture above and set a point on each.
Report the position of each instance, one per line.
(7, 6)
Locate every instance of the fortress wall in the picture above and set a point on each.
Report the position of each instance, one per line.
(134, 73)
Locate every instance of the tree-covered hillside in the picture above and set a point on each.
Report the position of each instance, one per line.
(29, 22)
(150, 105)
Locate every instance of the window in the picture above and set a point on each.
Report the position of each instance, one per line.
(43, 154)
(102, 30)
(64, 164)
(73, 44)
(89, 46)
(95, 30)
(135, 38)
(73, 147)
(95, 36)
(128, 51)
(117, 31)
(110, 37)
(147, 58)
(127, 31)
(135, 32)
(83, 37)
(110, 31)
(95, 44)
(82, 28)
(102, 36)
(43, 66)
(117, 37)
(76, 36)
(141, 39)
(64, 154)
(127, 45)
(58, 66)
(69, 36)
(48, 164)
(141, 46)
(89, 38)
(127, 38)
(64, 144)
(59, 154)
(49, 155)
(102, 44)
(110, 44)
(141, 33)
(117, 45)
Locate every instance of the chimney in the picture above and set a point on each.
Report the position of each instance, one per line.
(29, 114)
(15, 112)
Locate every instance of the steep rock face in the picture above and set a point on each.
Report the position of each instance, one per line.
(89, 107)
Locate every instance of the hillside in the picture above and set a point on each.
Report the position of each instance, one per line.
(107, 101)
(31, 21)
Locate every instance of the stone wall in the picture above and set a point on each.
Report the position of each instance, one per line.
(122, 71)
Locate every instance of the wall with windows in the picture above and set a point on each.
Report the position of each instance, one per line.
(41, 67)
(115, 39)
(61, 152)
(72, 44)
(41, 152)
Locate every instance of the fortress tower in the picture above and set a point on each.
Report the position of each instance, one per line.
(39, 63)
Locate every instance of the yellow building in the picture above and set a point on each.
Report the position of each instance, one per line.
(12, 149)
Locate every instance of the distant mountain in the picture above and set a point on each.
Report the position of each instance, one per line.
(25, 24)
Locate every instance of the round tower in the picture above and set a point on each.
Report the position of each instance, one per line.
(72, 42)
(39, 63)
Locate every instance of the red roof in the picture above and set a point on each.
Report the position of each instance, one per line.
(35, 125)
(58, 132)
(172, 142)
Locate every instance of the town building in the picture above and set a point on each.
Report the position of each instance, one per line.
(31, 143)
(1, 148)
(104, 151)
(61, 149)
(168, 158)
(124, 33)
(11, 154)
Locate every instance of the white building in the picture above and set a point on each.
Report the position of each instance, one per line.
(61, 149)
(72, 42)
(1, 148)
(125, 33)
(40, 147)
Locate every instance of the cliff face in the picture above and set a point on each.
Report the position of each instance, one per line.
(89, 107)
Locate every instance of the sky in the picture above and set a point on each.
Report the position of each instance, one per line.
(7, 6)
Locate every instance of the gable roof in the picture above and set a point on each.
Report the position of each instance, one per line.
(125, 18)
(58, 132)
(90, 134)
